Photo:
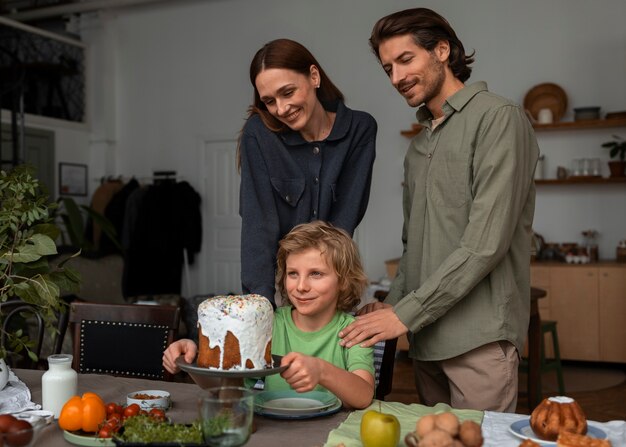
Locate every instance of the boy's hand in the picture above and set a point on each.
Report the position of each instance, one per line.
(303, 373)
(181, 347)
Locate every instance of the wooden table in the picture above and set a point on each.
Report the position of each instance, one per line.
(534, 347)
(308, 432)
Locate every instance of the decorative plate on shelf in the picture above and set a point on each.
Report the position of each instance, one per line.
(546, 96)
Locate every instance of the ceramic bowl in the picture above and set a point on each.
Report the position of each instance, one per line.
(149, 399)
(586, 113)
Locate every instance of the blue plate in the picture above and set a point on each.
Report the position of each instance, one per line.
(289, 404)
(522, 430)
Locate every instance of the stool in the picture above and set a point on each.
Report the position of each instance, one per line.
(548, 364)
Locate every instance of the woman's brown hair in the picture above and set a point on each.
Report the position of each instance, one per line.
(339, 251)
(291, 55)
(427, 28)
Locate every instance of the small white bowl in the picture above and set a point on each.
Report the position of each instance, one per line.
(149, 399)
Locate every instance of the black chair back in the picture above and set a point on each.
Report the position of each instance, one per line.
(123, 339)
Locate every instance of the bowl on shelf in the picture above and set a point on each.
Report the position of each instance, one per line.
(586, 113)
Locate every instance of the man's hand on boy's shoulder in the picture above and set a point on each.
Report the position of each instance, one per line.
(378, 323)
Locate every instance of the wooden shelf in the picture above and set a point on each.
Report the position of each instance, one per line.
(582, 181)
(584, 124)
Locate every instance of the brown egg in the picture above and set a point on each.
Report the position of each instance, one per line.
(470, 434)
(425, 424)
(436, 438)
(19, 434)
(448, 422)
(6, 420)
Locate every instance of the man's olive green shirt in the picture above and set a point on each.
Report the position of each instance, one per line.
(469, 200)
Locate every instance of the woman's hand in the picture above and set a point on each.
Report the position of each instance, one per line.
(303, 372)
(184, 347)
(370, 328)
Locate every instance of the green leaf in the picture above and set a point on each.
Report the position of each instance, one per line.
(43, 244)
(73, 222)
(32, 355)
(50, 230)
(28, 253)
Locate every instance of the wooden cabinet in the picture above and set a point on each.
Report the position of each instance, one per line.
(574, 304)
(612, 289)
(589, 304)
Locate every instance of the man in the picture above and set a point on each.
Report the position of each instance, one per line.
(462, 291)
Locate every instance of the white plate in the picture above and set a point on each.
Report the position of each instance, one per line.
(289, 402)
(291, 405)
(522, 430)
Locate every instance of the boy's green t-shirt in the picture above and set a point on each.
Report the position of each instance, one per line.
(324, 344)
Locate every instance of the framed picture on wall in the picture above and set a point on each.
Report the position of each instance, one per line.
(72, 179)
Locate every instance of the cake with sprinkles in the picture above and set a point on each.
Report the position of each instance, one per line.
(235, 332)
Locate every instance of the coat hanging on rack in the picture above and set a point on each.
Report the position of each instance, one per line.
(161, 221)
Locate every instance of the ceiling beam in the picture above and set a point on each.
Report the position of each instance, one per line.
(74, 8)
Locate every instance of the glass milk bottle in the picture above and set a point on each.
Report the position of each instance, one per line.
(58, 384)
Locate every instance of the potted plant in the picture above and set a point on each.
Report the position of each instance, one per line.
(617, 150)
(27, 243)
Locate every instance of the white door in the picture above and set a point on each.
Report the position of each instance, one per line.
(220, 263)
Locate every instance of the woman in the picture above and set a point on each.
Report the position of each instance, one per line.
(303, 156)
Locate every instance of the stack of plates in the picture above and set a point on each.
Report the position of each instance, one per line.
(289, 404)
(546, 96)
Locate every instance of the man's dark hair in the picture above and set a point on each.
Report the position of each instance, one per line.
(427, 28)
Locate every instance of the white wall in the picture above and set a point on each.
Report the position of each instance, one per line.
(180, 75)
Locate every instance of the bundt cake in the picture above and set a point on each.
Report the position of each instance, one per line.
(235, 332)
(555, 415)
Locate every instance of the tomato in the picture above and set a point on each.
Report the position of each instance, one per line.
(157, 414)
(131, 410)
(112, 426)
(114, 417)
(104, 432)
(111, 408)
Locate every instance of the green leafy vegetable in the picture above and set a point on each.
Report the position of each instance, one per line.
(144, 429)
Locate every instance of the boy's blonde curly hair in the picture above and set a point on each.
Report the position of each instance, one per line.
(339, 251)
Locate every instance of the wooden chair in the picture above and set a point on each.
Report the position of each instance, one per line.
(17, 313)
(384, 367)
(122, 339)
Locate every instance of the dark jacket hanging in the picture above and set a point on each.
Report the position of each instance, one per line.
(160, 221)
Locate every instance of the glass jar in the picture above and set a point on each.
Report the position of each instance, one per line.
(58, 384)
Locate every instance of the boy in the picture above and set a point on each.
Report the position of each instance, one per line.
(320, 275)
